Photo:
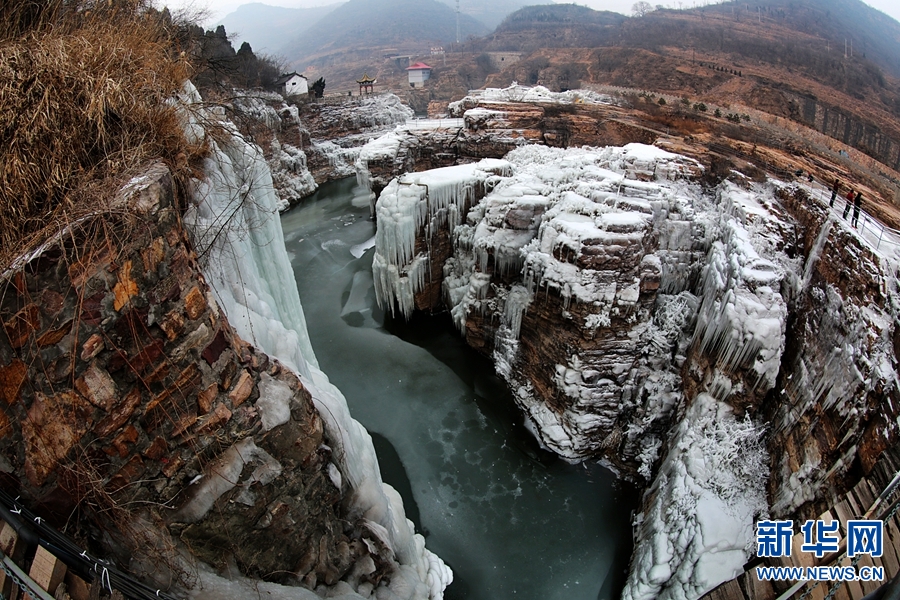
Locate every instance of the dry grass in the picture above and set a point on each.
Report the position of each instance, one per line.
(84, 88)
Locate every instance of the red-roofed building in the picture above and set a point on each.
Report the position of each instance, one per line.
(419, 73)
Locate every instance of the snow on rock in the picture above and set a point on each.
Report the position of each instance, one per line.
(341, 160)
(742, 317)
(290, 174)
(420, 200)
(274, 400)
(372, 112)
(236, 228)
(699, 528)
(521, 93)
(578, 224)
(223, 474)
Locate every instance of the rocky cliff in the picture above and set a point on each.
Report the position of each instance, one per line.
(180, 437)
(732, 346)
(122, 338)
(307, 144)
(493, 122)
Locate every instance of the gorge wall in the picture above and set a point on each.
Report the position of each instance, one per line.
(880, 141)
(731, 346)
(134, 402)
(123, 383)
(307, 144)
(490, 124)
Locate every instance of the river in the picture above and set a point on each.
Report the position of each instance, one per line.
(510, 519)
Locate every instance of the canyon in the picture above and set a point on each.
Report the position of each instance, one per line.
(718, 335)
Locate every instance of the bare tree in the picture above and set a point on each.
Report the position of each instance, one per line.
(639, 9)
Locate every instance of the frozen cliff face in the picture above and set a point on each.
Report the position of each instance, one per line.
(432, 201)
(527, 94)
(638, 316)
(339, 130)
(699, 527)
(369, 113)
(236, 225)
(284, 154)
(569, 243)
(836, 403)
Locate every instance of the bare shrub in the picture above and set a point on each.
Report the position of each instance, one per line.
(85, 88)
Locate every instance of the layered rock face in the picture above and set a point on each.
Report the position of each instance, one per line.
(494, 122)
(123, 383)
(834, 409)
(276, 127)
(309, 144)
(556, 269)
(680, 334)
(338, 131)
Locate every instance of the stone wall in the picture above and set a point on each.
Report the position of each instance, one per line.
(127, 399)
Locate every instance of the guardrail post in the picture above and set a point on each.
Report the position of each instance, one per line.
(47, 570)
(12, 546)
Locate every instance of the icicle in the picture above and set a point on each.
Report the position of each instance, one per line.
(816, 251)
(516, 304)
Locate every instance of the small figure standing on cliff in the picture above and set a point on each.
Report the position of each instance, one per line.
(834, 190)
(849, 203)
(857, 205)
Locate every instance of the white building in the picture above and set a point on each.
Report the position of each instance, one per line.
(292, 84)
(419, 73)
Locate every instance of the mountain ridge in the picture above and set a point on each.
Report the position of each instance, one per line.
(263, 25)
(373, 24)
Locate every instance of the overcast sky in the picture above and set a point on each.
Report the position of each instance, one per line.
(219, 8)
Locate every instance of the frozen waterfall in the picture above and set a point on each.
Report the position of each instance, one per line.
(236, 228)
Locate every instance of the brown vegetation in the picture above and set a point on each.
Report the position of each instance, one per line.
(85, 89)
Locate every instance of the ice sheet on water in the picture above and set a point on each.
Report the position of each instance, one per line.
(356, 301)
(357, 250)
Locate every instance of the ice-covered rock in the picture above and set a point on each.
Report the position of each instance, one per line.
(706, 498)
(528, 94)
(285, 132)
(235, 224)
(622, 302)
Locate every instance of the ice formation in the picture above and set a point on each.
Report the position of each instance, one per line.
(341, 160)
(236, 227)
(290, 174)
(374, 112)
(707, 496)
(521, 93)
(414, 201)
(650, 272)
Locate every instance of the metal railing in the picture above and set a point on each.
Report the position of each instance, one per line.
(868, 227)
